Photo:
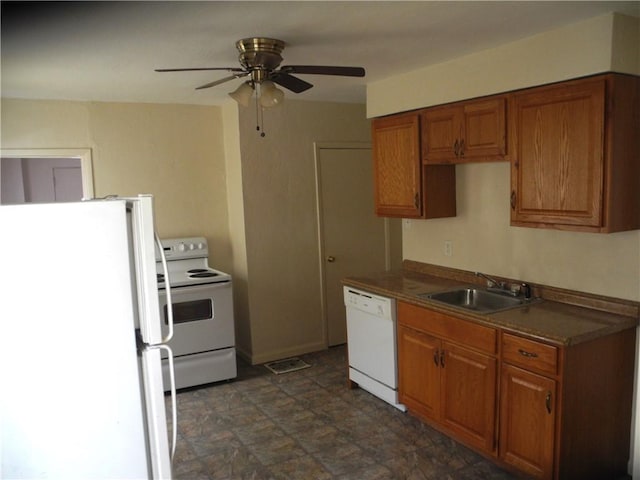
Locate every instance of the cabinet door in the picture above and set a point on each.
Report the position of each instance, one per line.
(463, 132)
(441, 134)
(419, 371)
(484, 130)
(396, 166)
(469, 395)
(557, 154)
(527, 421)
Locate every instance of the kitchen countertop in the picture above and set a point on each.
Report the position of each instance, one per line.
(585, 317)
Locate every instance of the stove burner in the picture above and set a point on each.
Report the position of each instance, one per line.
(203, 274)
(197, 270)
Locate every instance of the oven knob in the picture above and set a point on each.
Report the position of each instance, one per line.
(181, 247)
(192, 246)
(200, 246)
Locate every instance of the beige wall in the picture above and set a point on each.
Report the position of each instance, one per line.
(481, 235)
(572, 51)
(175, 152)
(278, 181)
(483, 241)
(212, 175)
(237, 235)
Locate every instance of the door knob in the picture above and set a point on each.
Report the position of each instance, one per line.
(331, 259)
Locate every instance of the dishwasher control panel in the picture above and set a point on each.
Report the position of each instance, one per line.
(367, 302)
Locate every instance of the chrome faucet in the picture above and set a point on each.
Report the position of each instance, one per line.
(493, 281)
(514, 289)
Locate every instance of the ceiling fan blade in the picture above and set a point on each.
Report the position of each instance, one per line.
(229, 69)
(222, 80)
(324, 70)
(290, 82)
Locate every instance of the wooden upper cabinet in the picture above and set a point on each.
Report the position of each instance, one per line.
(441, 130)
(465, 131)
(396, 166)
(575, 153)
(403, 187)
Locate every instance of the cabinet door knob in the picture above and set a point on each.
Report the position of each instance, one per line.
(456, 148)
(435, 357)
(416, 200)
(513, 200)
(331, 259)
(442, 358)
(462, 147)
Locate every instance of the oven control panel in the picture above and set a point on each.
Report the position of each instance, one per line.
(188, 247)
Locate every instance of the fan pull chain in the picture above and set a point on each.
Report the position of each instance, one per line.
(259, 116)
(257, 112)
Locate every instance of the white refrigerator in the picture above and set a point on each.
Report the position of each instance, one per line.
(81, 393)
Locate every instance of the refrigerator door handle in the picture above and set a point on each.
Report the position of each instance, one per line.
(174, 402)
(165, 270)
(160, 453)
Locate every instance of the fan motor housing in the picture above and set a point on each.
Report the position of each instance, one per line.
(260, 53)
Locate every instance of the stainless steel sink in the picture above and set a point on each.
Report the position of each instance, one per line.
(478, 300)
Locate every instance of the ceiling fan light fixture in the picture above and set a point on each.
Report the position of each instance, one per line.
(270, 95)
(243, 94)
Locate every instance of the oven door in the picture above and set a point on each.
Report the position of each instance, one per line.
(202, 317)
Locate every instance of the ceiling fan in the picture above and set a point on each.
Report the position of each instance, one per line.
(260, 60)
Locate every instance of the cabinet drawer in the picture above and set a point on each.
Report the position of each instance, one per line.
(530, 354)
(450, 328)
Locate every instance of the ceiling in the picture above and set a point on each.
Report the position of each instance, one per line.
(107, 51)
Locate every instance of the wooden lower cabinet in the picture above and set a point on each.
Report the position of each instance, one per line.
(446, 383)
(419, 372)
(548, 411)
(468, 382)
(527, 421)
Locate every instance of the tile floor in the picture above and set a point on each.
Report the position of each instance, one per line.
(309, 425)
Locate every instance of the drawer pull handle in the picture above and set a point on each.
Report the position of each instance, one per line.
(547, 402)
(513, 200)
(524, 353)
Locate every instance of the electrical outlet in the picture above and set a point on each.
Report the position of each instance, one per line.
(448, 248)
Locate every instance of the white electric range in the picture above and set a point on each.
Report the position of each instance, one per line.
(203, 341)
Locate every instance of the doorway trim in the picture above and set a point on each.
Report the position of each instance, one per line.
(83, 154)
(317, 147)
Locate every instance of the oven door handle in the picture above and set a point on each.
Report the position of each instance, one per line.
(167, 287)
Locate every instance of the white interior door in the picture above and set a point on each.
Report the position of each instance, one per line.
(353, 241)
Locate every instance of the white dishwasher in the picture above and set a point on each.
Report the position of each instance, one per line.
(371, 340)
